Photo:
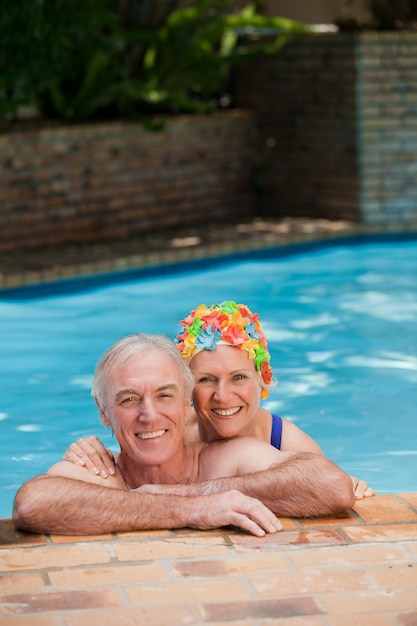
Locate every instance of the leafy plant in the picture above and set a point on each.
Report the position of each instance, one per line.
(41, 44)
(84, 59)
(190, 57)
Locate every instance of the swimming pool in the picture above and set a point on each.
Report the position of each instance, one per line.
(342, 327)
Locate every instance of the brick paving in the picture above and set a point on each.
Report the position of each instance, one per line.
(356, 569)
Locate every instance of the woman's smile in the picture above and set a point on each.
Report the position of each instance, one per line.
(226, 412)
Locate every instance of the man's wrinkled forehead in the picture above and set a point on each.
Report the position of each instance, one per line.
(153, 370)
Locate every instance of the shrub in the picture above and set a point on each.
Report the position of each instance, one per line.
(78, 60)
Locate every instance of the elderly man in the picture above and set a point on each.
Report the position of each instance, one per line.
(142, 388)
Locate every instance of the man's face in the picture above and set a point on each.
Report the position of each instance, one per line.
(145, 404)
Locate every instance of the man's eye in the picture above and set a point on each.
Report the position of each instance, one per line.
(129, 400)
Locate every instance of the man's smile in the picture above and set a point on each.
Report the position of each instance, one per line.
(152, 435)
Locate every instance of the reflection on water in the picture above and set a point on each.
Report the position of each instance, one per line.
(342, 325)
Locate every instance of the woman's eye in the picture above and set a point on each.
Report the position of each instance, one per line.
(205, 379)
(239, 377)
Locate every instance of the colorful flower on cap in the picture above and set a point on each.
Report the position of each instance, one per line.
(229, 323)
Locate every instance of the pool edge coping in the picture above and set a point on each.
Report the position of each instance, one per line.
(153, 263)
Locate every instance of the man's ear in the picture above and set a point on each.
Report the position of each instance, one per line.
(104, 419)
(188, 408)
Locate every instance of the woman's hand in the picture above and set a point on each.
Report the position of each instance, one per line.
(90, 453)
(361, 489)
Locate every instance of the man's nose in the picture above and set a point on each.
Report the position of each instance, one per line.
(146, 409)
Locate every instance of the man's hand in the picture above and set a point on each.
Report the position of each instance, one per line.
(230, 508)
(235, 509)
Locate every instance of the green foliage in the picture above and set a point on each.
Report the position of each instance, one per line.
(188, 61)
(47, 46)
(79, 60)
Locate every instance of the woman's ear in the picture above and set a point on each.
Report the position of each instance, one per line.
(104, 419)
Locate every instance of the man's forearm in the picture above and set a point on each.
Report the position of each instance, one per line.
(54, 504)
(304, 485)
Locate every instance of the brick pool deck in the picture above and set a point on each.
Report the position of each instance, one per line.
(357, 569)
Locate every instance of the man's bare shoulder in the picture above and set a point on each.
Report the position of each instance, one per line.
(78, 472)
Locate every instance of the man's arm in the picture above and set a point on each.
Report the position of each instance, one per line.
(296, 484)
(301, 485)
(67, 506)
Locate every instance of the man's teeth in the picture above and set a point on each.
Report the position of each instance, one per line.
(226, 412)
(156, 433)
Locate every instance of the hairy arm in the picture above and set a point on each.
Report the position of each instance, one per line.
(291, 484)
(67, 506)
(301, 485)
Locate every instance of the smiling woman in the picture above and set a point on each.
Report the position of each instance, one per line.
(342, 333)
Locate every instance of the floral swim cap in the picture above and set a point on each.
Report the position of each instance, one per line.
(226, 323)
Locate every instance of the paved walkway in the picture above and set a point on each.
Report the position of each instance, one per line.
(358, 569)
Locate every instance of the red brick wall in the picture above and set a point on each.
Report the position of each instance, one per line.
(334, 118)
(304, 102)
(337, 121)
(386, 95)
(91, 182)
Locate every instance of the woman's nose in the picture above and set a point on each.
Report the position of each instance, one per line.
(222, 390)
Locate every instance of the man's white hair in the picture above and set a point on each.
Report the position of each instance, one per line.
(133, 345)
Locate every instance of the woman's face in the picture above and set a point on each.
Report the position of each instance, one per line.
(227, 392)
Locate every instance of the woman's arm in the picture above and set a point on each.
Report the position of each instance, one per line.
(296, 440)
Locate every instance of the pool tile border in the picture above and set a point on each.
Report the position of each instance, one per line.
(175, 259)
(380, 513)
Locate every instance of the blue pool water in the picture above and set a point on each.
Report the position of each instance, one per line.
(342, 326)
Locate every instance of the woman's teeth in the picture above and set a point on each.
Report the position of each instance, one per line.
(226, 412)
